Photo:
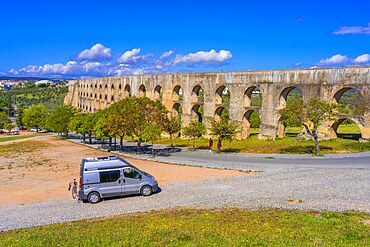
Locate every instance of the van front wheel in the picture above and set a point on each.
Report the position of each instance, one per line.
(146, 190)
(94, 197)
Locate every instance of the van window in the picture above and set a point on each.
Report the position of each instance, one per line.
(109, 176)
(131, 173)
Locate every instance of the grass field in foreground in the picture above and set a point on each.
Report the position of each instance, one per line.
(202, 227)
(348, 143)
(13, 138)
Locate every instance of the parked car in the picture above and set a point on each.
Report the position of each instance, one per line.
(35, 129)
(15, 132)
(112, 176)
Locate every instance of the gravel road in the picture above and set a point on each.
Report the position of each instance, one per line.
(336, 183)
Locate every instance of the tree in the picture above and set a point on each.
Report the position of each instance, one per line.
(58, 120)
(76, 124)
(19, 120)
(310, 114)
(35, 116)
(171, 125)
(9, 126)
(88, 125)
(4, 120)
(117, 121)
(194, 130)
(152, 133)
(102, 127)
(138, 113)
(224, 129)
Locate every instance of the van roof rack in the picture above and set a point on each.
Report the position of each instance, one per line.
(106, 158)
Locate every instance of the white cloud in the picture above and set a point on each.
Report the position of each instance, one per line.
(353, 30)
(202, 57)
(133, 57)
(71, 68)
(336, 59)
(166, 54)
(365, 58)
(130, 62)
(95, 53)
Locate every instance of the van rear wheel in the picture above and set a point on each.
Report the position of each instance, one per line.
(146, 190)
(94, 197)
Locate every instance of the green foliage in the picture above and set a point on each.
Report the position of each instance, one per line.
(286, 145)
(76, 123)
(310, 114)
(59, 119)
(256, 98)
(102, 126)
(352, 102)
(18, 137)
(138, 113)
(194, 130)
(223, 129)
(9, 126)
(88, 124)
(31, 95)
(170, 125)
(201, 95)
(4, 120)
(35, 116)
(3, 105)
(254, 120)
(202, 227)
(19, 120)
(150, 134)
(226, 97)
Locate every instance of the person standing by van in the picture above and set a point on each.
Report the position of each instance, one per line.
(210, 144)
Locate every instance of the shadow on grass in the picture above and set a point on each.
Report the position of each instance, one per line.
(231, 150)
(291, 134)
(308, 149)
(355, 137)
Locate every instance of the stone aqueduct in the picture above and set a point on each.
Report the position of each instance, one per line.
(177, 91)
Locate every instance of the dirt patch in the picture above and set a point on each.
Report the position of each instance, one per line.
(39, 169)
(294, 201)
(366, 222)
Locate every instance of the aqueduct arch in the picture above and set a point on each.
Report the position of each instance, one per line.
(201, 90)
(283, 101)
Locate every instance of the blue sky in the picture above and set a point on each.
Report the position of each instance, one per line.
(98, 38)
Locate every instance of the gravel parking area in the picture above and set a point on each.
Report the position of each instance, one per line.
(280, 184)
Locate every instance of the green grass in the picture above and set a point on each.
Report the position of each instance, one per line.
(12, 138)
(202, 227)
(347, 143)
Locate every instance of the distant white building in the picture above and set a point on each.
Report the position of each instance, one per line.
(47, 82)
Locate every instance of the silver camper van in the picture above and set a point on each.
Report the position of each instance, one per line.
(112, 176)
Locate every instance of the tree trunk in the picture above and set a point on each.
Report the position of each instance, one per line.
(153, 149)
(171, 140)
(90, 139)
(84, 137)
(121, 143)
(115, 143)
(316, 143)
(110, 143)
(138, 146)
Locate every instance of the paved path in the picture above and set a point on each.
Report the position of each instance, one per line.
(335, 183)
(240, 161)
